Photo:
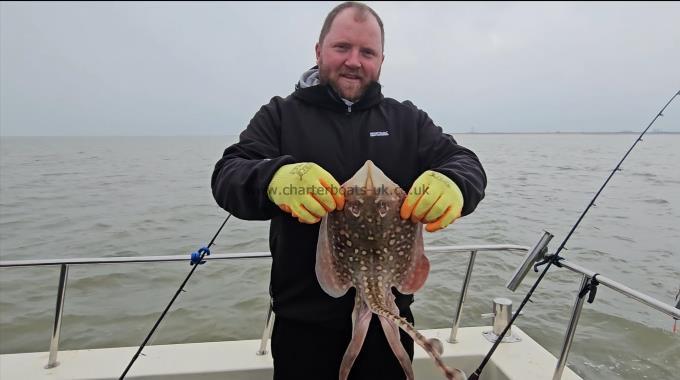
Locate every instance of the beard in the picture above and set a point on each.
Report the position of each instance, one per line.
(351, 90)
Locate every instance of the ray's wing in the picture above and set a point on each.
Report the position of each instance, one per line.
(326, 268)
(417, 273)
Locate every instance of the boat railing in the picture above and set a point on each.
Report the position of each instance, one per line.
(587, 276)
(537, 256)
(472, 250)
(64, 265)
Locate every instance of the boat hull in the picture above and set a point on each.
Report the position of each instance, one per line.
(236, 360)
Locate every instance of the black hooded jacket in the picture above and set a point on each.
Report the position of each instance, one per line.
(314, 125)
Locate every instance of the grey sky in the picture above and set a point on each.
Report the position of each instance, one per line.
(206, 68)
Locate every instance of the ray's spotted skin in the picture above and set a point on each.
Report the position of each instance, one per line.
(368, 246)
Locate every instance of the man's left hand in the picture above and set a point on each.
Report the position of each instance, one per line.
(434, 199)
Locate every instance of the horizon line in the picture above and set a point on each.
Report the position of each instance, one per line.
(456, 133)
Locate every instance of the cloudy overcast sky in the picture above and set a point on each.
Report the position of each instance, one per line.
(205, 68)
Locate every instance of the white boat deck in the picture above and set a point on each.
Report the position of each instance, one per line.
(236, 360)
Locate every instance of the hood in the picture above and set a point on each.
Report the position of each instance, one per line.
(309, 78)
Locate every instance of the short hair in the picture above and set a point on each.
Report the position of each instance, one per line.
(361, 13)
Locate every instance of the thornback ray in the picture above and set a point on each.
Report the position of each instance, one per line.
(367, 245)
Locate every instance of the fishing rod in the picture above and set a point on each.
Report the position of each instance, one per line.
(196, 259)
(554, 259)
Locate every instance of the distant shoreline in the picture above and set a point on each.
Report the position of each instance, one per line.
(569, 133)
(450, 132)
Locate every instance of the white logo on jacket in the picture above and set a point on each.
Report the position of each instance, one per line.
(379, 134)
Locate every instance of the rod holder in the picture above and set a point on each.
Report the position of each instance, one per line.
(535, 254)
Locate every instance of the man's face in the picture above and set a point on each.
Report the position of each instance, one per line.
(350, 56)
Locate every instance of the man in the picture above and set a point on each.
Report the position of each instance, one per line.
(316, 138)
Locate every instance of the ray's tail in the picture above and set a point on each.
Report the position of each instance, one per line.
(433, 347)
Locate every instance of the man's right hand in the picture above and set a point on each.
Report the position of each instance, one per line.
(306, 191)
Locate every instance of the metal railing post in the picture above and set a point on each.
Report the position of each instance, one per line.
(269, 323)
(461, 300)
(623, 289)
(58, 312)
(571, 330)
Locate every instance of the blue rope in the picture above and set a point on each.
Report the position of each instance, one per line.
(197, 257)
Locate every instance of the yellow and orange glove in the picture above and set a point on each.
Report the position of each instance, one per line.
(306, 191)
(434, 199)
